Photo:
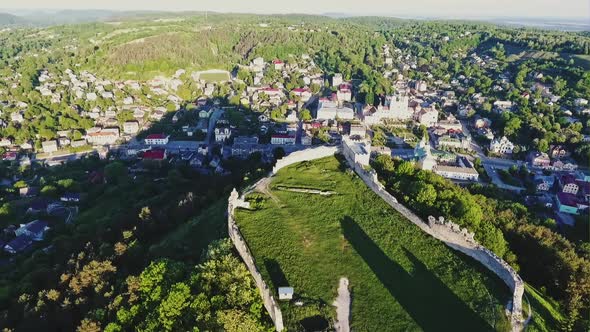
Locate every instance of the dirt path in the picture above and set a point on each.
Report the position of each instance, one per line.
(262, 187)
(342, 304)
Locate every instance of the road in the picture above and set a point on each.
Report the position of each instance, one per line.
(212, 121)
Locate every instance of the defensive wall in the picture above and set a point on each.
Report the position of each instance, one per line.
(448, 232)
(238, 240)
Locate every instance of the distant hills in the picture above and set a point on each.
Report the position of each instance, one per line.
(48, 17)
(10, 20)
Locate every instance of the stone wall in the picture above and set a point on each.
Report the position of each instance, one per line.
(270, 304)
(305, 155)
(450, 233)
(457, 238)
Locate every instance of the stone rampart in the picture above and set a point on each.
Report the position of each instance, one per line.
(450, 233)
(235, 235)
(305, 155)
(457, 238)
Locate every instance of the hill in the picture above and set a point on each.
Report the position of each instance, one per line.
(401, 278)
(11, 20)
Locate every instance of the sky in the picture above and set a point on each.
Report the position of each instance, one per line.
(401, 8)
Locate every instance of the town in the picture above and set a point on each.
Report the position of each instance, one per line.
(456, 121)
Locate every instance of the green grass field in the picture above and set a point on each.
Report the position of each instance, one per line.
(401, 279)
(214, 77)
(546, 312)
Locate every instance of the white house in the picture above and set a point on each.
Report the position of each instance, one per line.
(456, 173)
(503, 146)
(156, 139)
(130, 127)
(302, 93)
(337, 80)
(222, 133)
(427, 116)
(49, 146)
(282, 139)
(103, 136)
(330, 110)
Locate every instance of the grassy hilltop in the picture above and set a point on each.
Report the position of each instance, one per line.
(401, 279)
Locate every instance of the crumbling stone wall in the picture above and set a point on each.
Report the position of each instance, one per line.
(457, 238)
(305, 155)
(450, 233)
(270, 304)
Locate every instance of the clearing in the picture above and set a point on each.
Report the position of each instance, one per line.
(400, 278)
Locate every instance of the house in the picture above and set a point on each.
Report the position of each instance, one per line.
(5, 142)
(10, 156)
(157, 155)
(567, 203)
(302, 93)
(538, 159)
(244, 146)
(450, 124)
(28, 191)
(568, 184)
(18, 244)
(222, 133)
(564, 165)
(580, 102)
(544, 183)
(70, 197)
(104, 136)
(156, 139)
(501, 106)
(282, 139)
(26, 146)
(558, 151)
(278, 64)
(502, 146)
(480, 123)
(35, 230)
(49, 146)
(456, 173)
(420, 86)
(427, 116)
(337, 80)
(130, 127)
(331, 110)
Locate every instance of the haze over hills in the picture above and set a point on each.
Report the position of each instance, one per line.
(47, 17)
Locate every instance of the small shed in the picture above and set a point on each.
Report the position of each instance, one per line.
(286, 293)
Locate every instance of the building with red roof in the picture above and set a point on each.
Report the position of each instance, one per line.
(155, 154)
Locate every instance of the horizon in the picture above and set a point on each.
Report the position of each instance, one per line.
(455, 9)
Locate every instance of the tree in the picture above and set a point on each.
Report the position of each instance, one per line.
(425, 194)
(278, 153)
(173, 306)
(115, 172)
(305, 115)
(379, 139)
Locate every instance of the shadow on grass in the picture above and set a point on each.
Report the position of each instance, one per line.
(430, 303)
(277, 276)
